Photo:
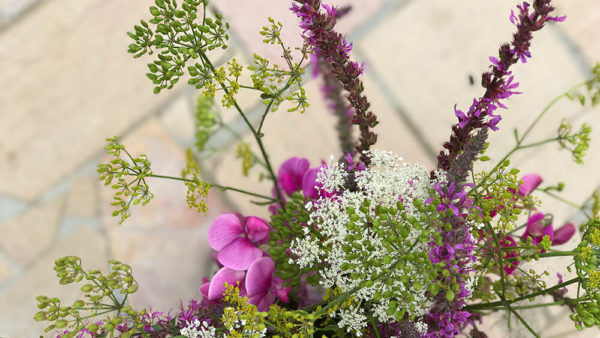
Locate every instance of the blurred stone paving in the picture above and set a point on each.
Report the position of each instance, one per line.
(67, 83)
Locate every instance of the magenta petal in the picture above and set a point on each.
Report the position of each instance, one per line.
(239, 254)
(258, 279)
(530, 182)
(564, 234)
(225, 275)
(290, 174)
(534, 226)
(257, 229)
(309, 182)
(204, 289)
(224, 230)
(262, 301)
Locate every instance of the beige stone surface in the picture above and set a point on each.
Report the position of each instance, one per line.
(6, 271)
(81, 200)
(85, 88)
(178, 118)
(581, 26)
(29, 234)
(18, 304)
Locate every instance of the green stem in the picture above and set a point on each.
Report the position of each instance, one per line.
(533, 306)
(374, 325)
(533, 124)
(500, 260)
(286, 333)
(492, 305)
(256, 135)
(524, 322)
(218, 186)
(557, 197)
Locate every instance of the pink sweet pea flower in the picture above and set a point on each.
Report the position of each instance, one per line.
(216, 287)
(508, 242)
(310, 184)
(291, 173)
(262, 286)
(530, 182)
(536, 229)
(236, 237)
(564, 234)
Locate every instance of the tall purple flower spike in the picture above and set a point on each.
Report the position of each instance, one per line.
(262, 286)
(236, 238)
(530, 183)
(499, 81)
(291, 173)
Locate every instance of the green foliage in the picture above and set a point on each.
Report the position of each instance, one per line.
(178, 35)
(593, 89)
(587, 262)
(240, 318)
(130, 176)
(494, 195)
(197, 190)
(205, 121)
(272, 33)
(99, 298)
(576, 143)
(287, 224)
(248, 161)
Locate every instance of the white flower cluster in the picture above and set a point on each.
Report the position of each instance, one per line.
(196, 330)
(387, 181)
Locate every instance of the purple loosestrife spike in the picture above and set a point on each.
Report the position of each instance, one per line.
(331, 48)
(498, 82)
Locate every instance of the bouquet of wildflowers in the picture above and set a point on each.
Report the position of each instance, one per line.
(366, 244)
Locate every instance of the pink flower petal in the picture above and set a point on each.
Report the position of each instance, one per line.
(204, 288)
(239, 254)
(290, 174)
(257, 230)
(530, 182)
(258, 278)
(564, 234)
(309, 182)
(535, 226)
(224, 230)
(225, 275)
(262, 301)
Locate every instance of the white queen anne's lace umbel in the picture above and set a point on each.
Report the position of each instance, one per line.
(357, 256)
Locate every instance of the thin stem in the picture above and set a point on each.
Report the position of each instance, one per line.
(492, 305)
(256, 135)
(541, 255)
(573, 204)
(524, 322)
(548, 106)
(374, 325)
(500, 260)
(218, 186)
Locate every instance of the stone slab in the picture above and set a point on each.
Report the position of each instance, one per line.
(61, 100)
(29, 234)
